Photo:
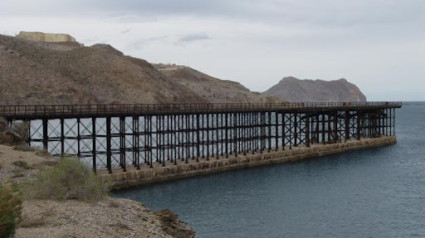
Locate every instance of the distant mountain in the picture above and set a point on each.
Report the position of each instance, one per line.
(296, 90)
(212, 89)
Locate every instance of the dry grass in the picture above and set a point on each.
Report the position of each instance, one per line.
(21, 164)
(36, 221)
(43, 153)
(23, 148)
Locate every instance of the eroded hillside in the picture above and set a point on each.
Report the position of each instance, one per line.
(43, 73)
(212, 89)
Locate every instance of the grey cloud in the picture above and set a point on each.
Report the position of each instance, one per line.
(138, 44)
(194, 37)
(312, 12)
(126, 31)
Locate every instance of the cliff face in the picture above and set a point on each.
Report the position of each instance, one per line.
(296, 90)
(212, 89)
(37, 73)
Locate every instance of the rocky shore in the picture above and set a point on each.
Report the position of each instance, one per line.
(110, 217)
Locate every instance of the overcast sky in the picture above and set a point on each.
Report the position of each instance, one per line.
(377, 44)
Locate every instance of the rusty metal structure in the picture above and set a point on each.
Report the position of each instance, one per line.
(119, 136)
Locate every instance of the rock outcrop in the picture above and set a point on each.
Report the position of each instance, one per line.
(16, 135)
(296, 90)
(212, 89)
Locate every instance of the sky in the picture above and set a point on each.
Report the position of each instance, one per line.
(379, 45)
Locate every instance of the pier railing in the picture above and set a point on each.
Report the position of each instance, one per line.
(29, 111)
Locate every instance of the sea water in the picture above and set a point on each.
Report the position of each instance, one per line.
(376, 192)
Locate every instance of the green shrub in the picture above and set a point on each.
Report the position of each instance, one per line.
(69, 179)
(10, 209)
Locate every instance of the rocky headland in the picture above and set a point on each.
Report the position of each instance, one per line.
(296, 90)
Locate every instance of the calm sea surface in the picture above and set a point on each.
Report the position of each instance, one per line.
(371, 193)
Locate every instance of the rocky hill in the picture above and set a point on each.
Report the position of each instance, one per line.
(212, 89)
(34, 72)
(296, 90)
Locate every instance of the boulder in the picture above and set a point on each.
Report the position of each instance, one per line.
(173, 226)
(10, 138)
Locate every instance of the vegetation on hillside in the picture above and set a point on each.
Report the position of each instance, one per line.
(10, 209)
(69, 179)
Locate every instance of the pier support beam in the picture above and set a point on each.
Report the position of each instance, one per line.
(199, 134)
(108, 145)
(94, 149)
(46, 134)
